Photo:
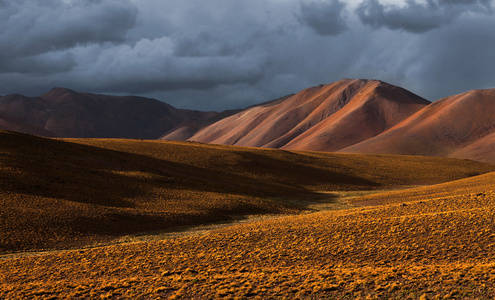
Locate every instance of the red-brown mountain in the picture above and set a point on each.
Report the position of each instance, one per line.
(324, 118)
(11, 123)
(66, 113)
(187, 129)
(461, 126)
(356, 116)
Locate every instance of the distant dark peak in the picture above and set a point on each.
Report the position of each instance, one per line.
(58, 91)
(61, 89)
(15, 95)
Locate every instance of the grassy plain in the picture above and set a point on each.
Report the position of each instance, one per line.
(435, 248)
(434, 242)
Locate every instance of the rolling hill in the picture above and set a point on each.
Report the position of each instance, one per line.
(65, 193)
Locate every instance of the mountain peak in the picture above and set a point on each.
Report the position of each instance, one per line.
(61, 89)
(67, 113)
(57, 92)
(324, 117)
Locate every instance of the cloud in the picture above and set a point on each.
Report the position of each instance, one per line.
(214, 47)
(456, 58)
(326, 18)
(221, 54)
(33, 29)
(419, 17)
(42, 64)
(152, 65)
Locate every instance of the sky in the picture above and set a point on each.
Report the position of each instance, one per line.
(226, 54)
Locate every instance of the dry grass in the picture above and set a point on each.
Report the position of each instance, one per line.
(473, 185)
(303, 169)
(439, 245)
(57, 194)
(442, 248)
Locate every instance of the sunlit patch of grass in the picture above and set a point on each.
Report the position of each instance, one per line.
(476, 185)
(437, 248)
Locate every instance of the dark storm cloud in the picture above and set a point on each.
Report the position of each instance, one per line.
(34, 28)
(326, 18)
(183, 72)
(461, 61)
(43, 64)
(222, 54)
(418, 17)
(200, 48)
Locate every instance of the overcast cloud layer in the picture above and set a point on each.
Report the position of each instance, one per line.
(222, 54)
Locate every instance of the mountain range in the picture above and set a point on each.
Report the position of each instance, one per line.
(350, 115)
(65, 113)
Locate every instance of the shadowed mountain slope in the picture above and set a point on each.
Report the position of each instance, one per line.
(460, 126)
(11, 123)
(326, 117)
(66, 113)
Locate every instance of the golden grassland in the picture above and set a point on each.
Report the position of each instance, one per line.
(433, 248)
(432, 242)
(57, 194)
(478, 184)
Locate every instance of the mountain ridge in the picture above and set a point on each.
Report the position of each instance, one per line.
(70, 114)
(285, 124)
(448, 127)
(349, 115)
